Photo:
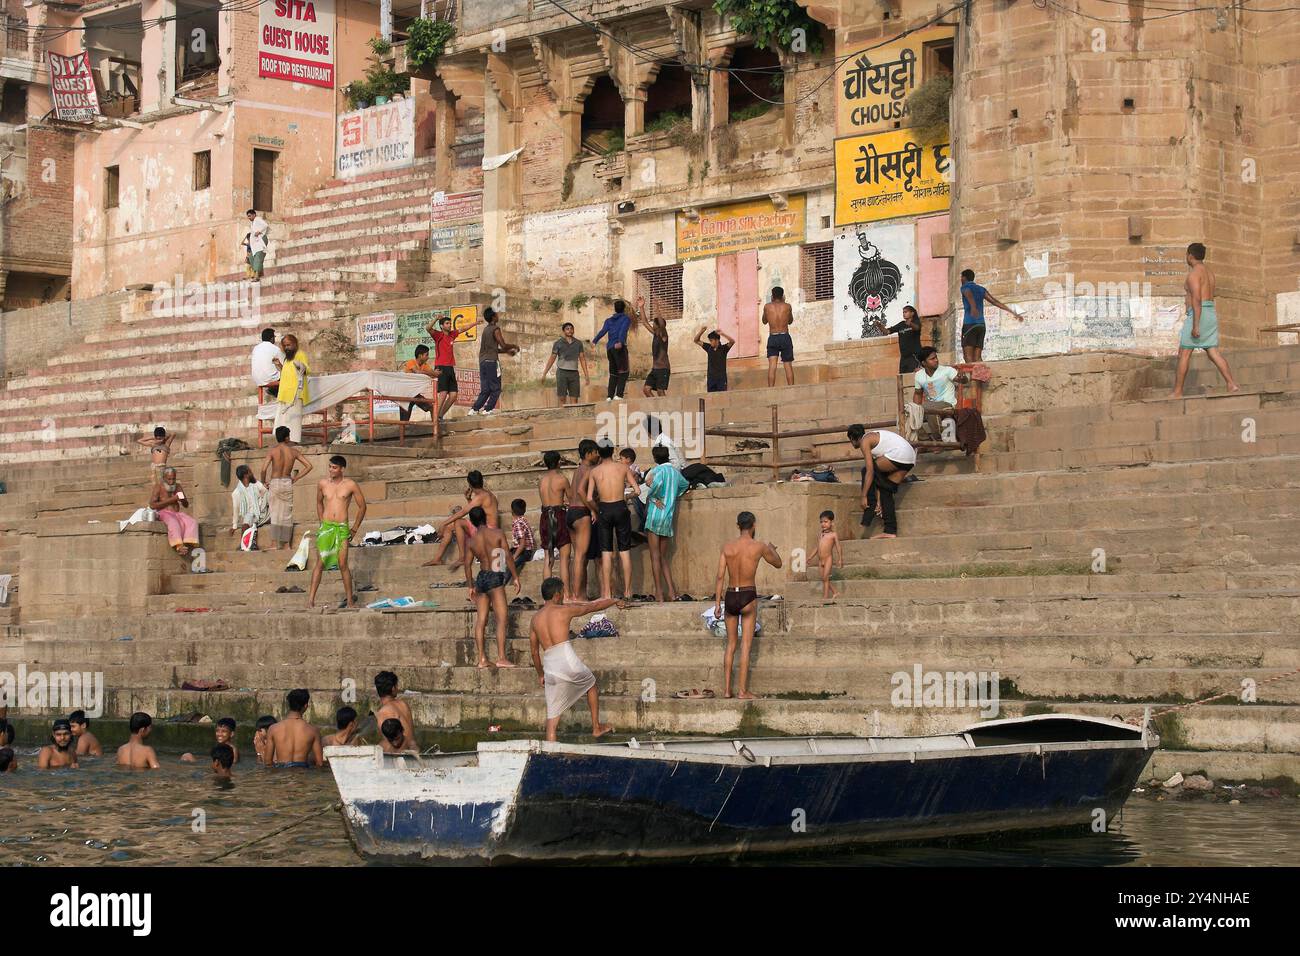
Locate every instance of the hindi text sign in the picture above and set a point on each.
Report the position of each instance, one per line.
(887, 175)
(871, 90)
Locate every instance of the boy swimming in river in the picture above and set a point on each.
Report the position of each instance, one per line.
(828, 548)
(135, 753)
(264, 723)
(224, 733)
(223, 759)
(345, 719)
(60, 752)
(87, 744)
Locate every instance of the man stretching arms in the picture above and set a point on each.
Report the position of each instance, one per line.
(737, 567)
(565, 678)
(334, 496)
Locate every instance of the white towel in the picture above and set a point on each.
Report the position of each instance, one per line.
(567, 678)
(914, 418)
(141, 514)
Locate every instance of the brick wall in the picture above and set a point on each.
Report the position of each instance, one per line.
(29, 337)
(38, 223)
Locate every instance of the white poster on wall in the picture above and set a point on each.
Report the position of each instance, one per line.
(295, 41)
(875, 276)
(376, 138)
(569, 243)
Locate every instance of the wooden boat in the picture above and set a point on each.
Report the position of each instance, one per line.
(527, 800)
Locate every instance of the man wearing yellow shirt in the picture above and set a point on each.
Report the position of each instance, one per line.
(292, 394)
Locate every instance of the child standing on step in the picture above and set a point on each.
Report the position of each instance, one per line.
(828, 549)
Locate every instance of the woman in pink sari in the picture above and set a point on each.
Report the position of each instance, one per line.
(168, 499)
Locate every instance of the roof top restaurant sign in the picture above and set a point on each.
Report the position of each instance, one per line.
(296, 41)
(72, 88)
(873, 86)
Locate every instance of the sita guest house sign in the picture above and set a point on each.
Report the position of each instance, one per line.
(296, 41)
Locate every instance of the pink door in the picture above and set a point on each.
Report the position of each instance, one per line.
(738, 304)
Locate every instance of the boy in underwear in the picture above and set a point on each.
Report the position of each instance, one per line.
(580, 518)
(160, 449)
(564, 677)
(488, 546)
(554, 492)
(738, 566)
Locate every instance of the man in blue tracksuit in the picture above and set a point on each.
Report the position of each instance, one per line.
(616, 327)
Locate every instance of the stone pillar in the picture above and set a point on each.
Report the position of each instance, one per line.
(157, 54)
(634, 112)
(500, 192)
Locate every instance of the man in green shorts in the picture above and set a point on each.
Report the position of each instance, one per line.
(334, 496)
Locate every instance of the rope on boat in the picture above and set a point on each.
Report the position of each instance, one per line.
(276, 832)
(1231, 693)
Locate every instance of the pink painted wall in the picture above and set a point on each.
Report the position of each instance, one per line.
(931, 273)
(162, 225)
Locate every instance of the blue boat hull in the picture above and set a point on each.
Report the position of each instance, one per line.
(574, 807)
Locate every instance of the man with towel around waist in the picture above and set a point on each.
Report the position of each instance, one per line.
(565, 678)
(279, 478)
(334, 496)
(1201, 328)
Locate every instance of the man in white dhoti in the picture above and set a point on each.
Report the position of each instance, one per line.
(564, 676)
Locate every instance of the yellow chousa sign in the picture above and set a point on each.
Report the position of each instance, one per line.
(873, 85)
(887, 175)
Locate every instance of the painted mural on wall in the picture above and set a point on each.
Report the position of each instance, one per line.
(875, 270)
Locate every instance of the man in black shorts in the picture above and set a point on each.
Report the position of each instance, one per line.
(605, 484)
(488, 546)
(778, 317)
(444, 336)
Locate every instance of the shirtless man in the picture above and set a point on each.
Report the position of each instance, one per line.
(737, 566)
(223, 759)
(292, 742)
(87, 744)
(565, 678)
(490, 548)
(888, 458)
(555, 493)
(393, 707)
(279, 464)
(334, 496)
(476, 496)
(135, 753)
(778, 318)
(60, 752)
(581, 518)
(605, 483)
(1201, 327)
